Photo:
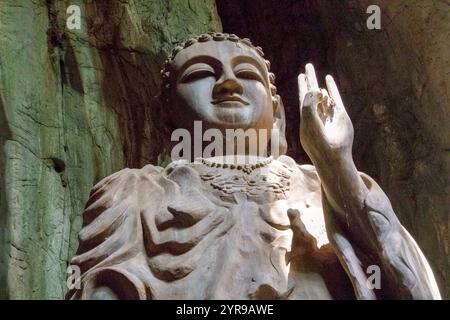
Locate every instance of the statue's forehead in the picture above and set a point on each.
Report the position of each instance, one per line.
(224, 51)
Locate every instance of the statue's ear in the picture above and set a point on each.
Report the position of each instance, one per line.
(279, 123)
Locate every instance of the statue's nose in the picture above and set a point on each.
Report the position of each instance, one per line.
(227, 84)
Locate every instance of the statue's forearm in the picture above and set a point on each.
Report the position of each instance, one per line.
(343, 186)
(371, 219)
(359, 218)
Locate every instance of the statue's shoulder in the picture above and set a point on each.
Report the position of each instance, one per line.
(305, 172)
(126, 174)
(122, 187)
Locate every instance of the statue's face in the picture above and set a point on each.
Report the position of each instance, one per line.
(222, 83)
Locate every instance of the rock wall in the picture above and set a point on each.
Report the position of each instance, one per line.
(395, 84)
(74, 107)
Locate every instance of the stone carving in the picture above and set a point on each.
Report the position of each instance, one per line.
(258, 180)
(228, 228)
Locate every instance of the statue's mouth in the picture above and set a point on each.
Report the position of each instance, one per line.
(226, 99)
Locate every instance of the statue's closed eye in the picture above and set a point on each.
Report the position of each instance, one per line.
(196, 72)
(249, 75)
(247, 71)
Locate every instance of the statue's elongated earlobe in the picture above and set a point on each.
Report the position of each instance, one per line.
(279, 125)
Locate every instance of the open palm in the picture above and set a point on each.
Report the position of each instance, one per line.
(325, 127)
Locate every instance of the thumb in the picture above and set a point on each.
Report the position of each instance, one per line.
(301, 234)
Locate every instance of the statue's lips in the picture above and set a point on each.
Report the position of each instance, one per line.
(230, 100)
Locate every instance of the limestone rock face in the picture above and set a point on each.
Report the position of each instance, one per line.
(74, 108)
(394, 82)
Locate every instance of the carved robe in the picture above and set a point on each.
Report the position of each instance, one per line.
(205, 230)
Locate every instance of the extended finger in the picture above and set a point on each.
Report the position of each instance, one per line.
(333, 91)
(309, 243)
(311, 77)
(302, 87)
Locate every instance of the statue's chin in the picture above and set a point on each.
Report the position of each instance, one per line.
(234, 118)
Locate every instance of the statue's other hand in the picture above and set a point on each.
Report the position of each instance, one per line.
(326, 131)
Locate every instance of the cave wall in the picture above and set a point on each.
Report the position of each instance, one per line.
(396, 87)
(74, 107)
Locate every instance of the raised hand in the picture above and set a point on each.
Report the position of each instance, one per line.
(326, 132)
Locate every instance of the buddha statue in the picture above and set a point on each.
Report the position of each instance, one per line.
(241, 225)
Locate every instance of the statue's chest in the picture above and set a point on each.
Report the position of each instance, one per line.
(242, 234)
(257, 200)
(261, 183)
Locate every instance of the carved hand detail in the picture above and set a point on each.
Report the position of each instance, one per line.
(326, 132)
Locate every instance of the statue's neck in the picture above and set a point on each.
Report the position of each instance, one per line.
(238, 160)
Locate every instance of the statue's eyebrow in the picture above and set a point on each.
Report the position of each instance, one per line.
(251, 60)
(214, 62)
